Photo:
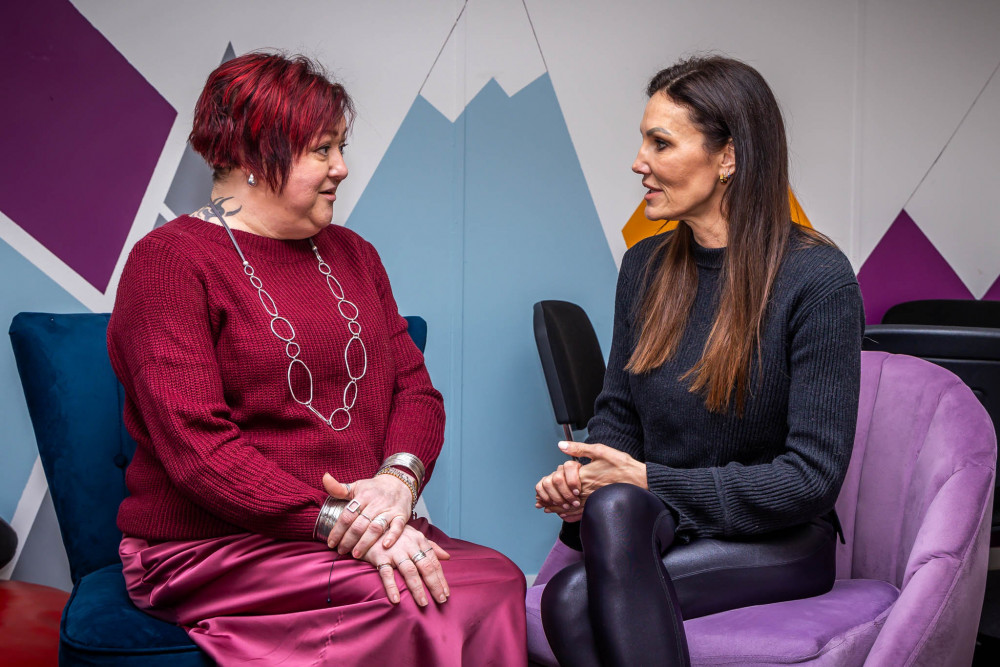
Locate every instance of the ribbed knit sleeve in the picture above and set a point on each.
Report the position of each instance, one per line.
(161, 345)
(803, 481)
(416, 417)
(616, 422)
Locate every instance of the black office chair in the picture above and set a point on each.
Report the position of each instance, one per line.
(971, 353)
(571, 359)
(946, 312)
(967, 354)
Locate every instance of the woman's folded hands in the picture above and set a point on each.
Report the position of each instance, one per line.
(565, 491)
(379, 507)
(418, 560)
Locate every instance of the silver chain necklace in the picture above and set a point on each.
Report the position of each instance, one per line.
(292, 349)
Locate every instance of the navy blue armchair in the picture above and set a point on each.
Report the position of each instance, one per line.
(76, 402)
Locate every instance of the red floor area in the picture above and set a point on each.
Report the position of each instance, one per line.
(29, 623)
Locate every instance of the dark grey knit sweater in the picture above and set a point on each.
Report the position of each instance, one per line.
(780, 464)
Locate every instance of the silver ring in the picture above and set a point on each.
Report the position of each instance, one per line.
(381, 565)
(367, 517)
(380, 520)
(348, 487)
(353, 506)
(419, 556)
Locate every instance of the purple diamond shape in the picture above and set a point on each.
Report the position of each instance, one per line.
(905, 266)
(81, 133)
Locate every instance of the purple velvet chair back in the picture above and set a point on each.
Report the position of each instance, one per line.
(915, 507)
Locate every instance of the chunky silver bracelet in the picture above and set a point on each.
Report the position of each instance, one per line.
(328, 515)
(408, 461)
(404, 478)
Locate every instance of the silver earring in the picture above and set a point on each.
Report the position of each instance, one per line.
(251, 181)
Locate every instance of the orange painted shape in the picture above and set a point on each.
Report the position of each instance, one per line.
(798, 215)
(640, 227)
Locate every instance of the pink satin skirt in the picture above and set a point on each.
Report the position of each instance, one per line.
(247, 598)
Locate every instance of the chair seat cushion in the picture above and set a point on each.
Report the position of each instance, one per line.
(842, 623)
(101, 619)
(839, 627)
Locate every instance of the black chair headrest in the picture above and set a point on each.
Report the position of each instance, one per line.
(571, 359)
(931, 341)
(945, 312)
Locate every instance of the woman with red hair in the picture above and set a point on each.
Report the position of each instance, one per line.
(285, 421)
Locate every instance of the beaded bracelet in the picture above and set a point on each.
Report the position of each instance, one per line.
(404, 478)
(408, 461)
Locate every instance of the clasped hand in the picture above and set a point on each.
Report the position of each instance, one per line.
(379, 507)
(402, 547)
(565, 491)
(418, 559)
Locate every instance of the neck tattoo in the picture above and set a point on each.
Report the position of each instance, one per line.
(214, 208)
(283, 330)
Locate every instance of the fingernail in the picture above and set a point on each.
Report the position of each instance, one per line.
(576, 503)
(563, 444)
(356, 553)
(576, 492)
(443, 598)
(565, 506)
(395, 598)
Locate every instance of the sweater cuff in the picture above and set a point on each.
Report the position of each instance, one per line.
(300, 525)
(693, 496)
(621, 442)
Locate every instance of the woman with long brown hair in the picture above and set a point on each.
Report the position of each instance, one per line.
(724, 429)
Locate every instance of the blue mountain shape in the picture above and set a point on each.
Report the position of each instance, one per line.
(192, 184)
(475, 221)
(30, 289)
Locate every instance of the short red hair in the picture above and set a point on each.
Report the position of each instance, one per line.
(260, 111)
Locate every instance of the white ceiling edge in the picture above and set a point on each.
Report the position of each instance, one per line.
(493, 39)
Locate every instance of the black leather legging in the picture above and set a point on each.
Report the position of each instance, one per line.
(624, 604)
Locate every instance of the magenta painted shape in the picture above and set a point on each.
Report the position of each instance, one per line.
(81, 133)
(905, 266)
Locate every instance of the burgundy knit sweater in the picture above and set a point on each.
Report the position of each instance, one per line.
(222, 446)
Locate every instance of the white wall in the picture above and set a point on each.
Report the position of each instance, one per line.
(890, 105)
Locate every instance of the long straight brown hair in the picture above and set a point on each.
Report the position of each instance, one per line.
(726, 100)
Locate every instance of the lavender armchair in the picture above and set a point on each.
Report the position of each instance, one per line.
(916, 512)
